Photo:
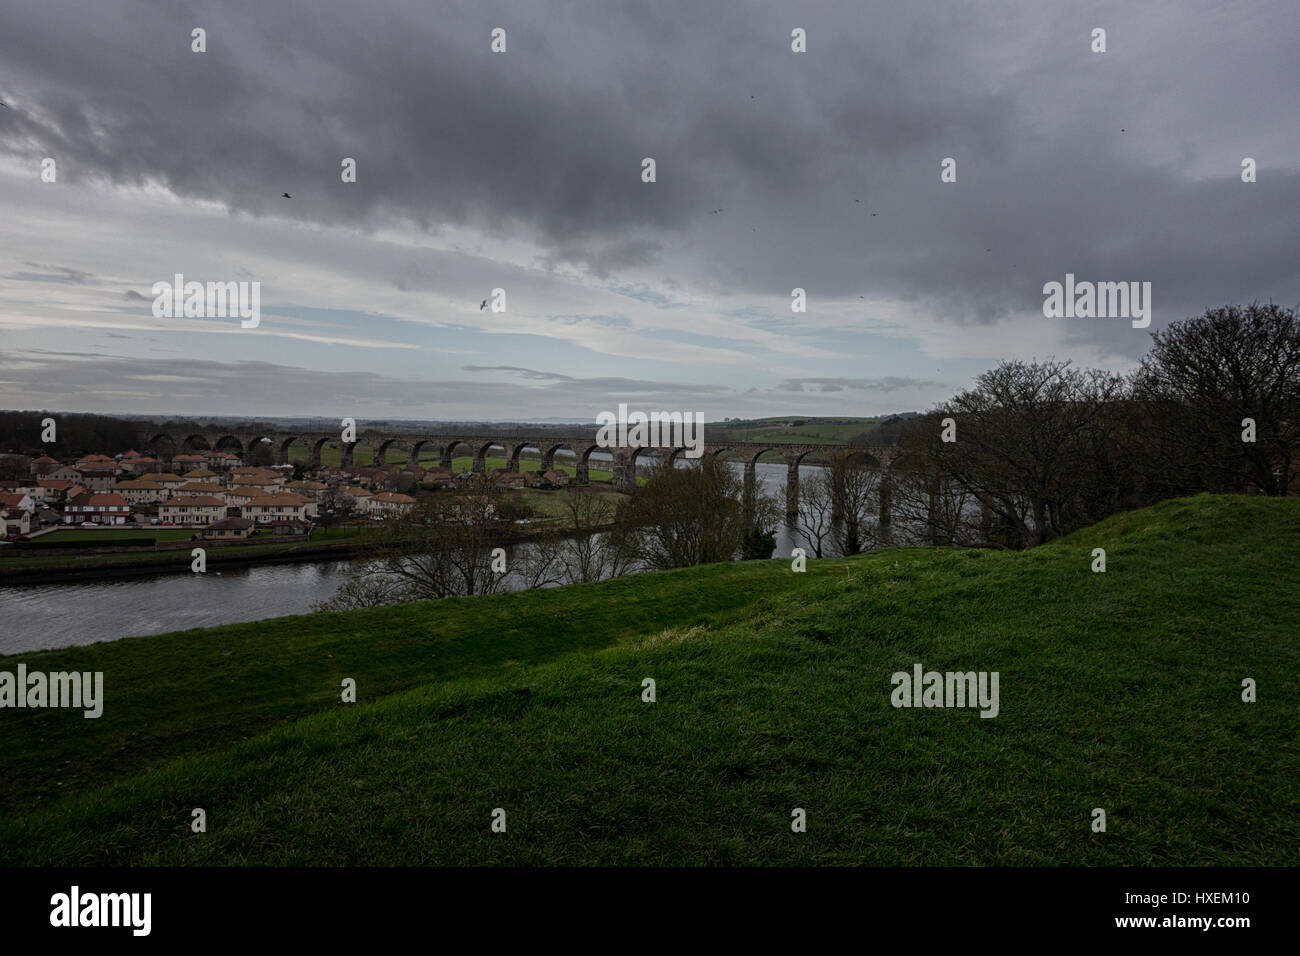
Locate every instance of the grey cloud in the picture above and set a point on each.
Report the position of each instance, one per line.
(544, 142)
(889, 383)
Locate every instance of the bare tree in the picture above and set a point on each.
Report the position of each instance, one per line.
(539, 561)
(693, 515)
(932, 509)
(813, 517)
(363, 588)
(598, 548)
(444, 546)
(1202, 378)
(1027, 437)
(854, 491)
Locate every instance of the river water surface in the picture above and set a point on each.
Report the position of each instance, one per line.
(39, 617)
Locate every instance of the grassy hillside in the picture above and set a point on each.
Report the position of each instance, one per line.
(1119, 690)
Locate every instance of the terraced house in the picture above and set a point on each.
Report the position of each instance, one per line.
(269, 508)
(195, 511)
(101, 508)
(206, 489)
(388, 503)
(140, 492)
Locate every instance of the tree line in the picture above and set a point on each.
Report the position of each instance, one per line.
(1034, 450)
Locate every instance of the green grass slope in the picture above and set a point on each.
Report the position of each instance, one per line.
(1119, 690)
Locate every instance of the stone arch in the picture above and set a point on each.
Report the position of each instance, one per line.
(448, 453)
(252, 449)
(284, 452)
(416, 447)
(669, 456)
(481, 453)
(229, 442)
(192, 442)
(582, 473)
(381, 450)
(319, 445)
(751, 467)
(752, 458)
(350, 453)
(512, 463)
(162, 445)
(548, 454)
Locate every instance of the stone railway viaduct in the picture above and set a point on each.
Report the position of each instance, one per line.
(161, 439)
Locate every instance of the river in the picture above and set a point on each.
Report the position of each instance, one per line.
(40, 617)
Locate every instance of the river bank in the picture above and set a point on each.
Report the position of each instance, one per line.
(45, 569)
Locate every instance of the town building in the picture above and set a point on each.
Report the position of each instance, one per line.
(44, 465)
(389, 502)
(268, 508)
(105, 508)
(15, 522)
(97, 478)
(140, 492)
(193, 511)
(228, 528)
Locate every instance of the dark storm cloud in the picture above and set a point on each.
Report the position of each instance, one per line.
(797, 151)
(550, 134)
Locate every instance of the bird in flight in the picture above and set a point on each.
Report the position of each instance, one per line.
(482, 305)
(5, 105)
(287, 196)
(715, 210)
(1121, 129)
(857, 200)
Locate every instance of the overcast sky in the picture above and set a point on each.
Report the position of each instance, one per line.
(522, 171)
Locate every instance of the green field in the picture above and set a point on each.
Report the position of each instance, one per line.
(553, 504)
(1119, 690)
(92, 537)
(797, 430)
